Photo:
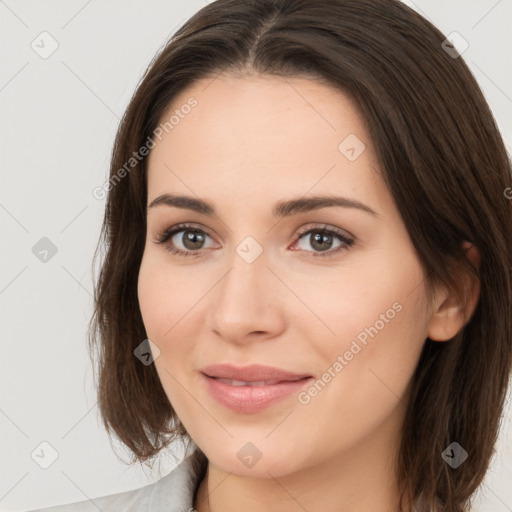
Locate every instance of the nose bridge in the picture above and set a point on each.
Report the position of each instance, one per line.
(240, 285)
(244, 301)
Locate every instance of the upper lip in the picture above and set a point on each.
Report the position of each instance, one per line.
(251, 373)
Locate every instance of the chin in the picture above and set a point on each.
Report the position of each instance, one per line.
(257, 459)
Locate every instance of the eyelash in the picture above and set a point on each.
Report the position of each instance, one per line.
(168, 233)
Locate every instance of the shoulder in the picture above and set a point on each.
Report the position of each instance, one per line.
(172, 493)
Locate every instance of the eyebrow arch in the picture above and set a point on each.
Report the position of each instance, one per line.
(281, 209)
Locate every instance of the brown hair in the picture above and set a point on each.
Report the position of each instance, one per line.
(446, 167)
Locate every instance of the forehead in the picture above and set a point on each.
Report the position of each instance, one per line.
(266, 137)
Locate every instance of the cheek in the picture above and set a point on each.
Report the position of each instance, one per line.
(151, 291)
(375, 325)
(377, 299)
(380, 331)
(165, 297)
(364, 370)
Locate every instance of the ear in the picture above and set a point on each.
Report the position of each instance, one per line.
(449, 313)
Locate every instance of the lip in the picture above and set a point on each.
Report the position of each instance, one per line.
(265, 386)
(251, 373)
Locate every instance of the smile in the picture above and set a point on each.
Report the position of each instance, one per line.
(233, 382)
(253, 388)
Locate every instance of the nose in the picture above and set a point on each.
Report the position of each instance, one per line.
(248, 303)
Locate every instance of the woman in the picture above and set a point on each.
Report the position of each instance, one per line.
(308, 266)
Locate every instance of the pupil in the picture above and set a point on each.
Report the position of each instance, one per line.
(321, 237)
(194, 238)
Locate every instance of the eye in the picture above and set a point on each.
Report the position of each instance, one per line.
(321, 239)
(192, 240)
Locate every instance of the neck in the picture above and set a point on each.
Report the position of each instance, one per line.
(359, 479)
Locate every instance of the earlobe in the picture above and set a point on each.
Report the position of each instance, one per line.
(450, 314)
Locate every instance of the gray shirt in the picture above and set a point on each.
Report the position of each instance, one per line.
(172, 493)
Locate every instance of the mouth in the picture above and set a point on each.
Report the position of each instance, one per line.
(251, 388)
(251, 373)
(233, 382)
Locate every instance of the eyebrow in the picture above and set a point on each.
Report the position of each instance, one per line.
(281, 209)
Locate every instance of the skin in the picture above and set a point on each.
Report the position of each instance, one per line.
(250, 142)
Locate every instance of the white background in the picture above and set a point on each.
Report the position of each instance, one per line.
(58, 121)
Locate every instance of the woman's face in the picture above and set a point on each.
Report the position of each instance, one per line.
(340, 317)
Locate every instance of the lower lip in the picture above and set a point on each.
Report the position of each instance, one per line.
(252, 398)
